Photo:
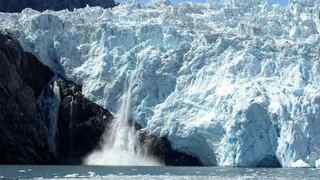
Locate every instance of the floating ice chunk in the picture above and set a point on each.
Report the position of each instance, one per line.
(300, 163)
(317, 163)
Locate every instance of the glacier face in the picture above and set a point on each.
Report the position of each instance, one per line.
(235, 83)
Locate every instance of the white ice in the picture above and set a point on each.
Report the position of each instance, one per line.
(231, 82)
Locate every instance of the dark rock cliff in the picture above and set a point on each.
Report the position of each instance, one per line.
(161, 149)
(31, 131)
(41, 5)
(23, 134)
(81, 123)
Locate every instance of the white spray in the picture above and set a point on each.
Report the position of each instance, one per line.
(121, 147)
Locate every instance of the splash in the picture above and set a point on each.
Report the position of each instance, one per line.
(121, 146)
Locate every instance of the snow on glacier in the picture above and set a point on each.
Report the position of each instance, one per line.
(235, 83)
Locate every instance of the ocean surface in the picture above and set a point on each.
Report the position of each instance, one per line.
(155, 173)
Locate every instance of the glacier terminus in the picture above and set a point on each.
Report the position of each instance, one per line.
(234, 83)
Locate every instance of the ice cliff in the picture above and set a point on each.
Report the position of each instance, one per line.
(235, 83)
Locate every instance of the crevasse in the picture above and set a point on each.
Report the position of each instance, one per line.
(235, 83)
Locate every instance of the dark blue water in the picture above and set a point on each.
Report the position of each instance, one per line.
(155, 173)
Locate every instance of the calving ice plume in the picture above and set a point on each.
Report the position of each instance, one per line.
(234, 83)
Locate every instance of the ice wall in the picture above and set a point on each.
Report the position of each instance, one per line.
(235, 84)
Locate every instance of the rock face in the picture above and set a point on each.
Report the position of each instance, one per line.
(81, 123)
(161, 149)
(23, 133)
(41, 5)
(43, 120)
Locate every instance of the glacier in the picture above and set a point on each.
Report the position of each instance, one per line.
(234, 83)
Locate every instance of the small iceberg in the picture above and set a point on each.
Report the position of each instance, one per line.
(300, 164)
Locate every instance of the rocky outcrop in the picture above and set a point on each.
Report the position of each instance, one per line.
(23, 133)
(43, 119)
(81, 123)
(161, 149)
(41, 5)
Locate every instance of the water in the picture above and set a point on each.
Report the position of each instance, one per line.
(121, 146)
(155, 173)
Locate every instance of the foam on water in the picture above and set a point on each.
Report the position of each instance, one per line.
(147, 173)
(168, 178)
